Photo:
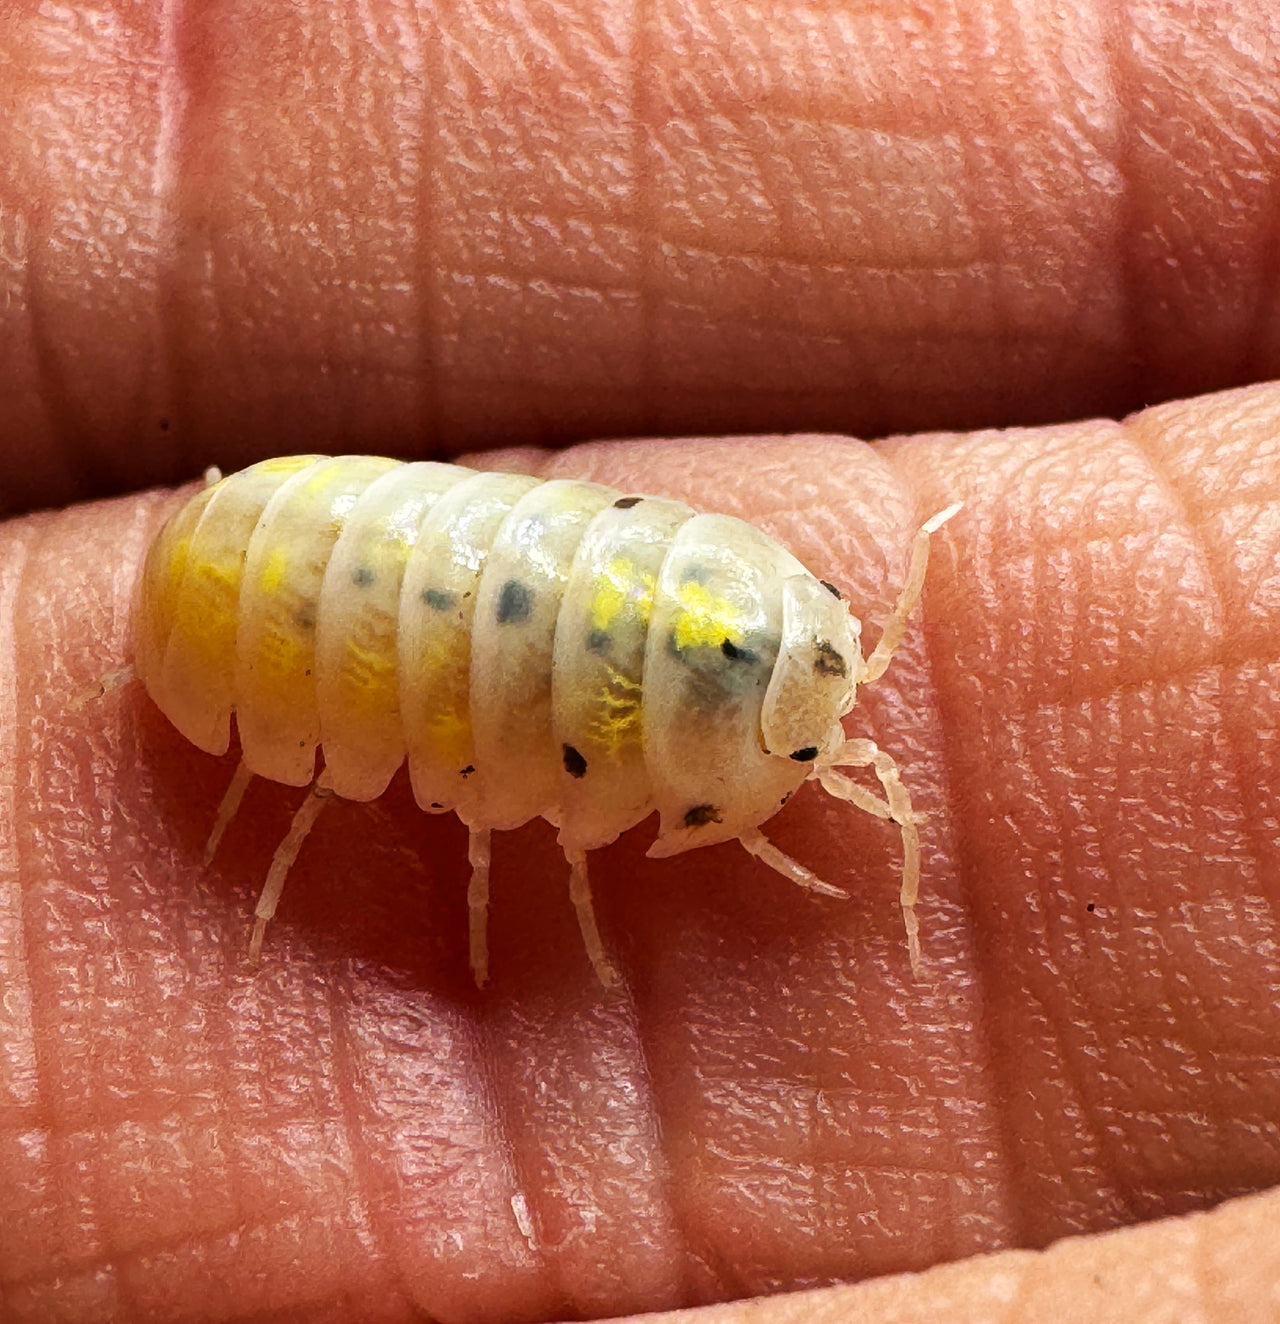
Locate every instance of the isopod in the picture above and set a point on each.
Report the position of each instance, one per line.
(531, 648)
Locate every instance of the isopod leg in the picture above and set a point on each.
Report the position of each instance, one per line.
(845, 788)
(227, 809)
(896, 626)
(867, 754)
(478, 904)
(580, 892)
(763, 849)
(282, 861)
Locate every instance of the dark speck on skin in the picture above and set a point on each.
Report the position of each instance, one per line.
(625, 503)
(805, 755)
(515, 602)
(736, 654)
(574, 764)
(438, 599)
(467, 771)
(701, 815)
(362, 576)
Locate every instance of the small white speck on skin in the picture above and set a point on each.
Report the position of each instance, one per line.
(524, 1221)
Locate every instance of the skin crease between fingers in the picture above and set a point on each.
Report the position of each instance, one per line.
(1091, 227)
(773, 1103)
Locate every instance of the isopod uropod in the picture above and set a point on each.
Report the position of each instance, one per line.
(552, 649)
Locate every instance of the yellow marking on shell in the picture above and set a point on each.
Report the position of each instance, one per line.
(707, 620)
(369, 675)
(283, 464)
(275, 569)
(166, 585)
(445, 670)
(206, 618)
(448, 734)
(619, 705)
(322, 478)
(623, 584)
(281, 661)
(178, 561)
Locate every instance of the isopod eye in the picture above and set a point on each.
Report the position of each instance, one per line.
(813, 680)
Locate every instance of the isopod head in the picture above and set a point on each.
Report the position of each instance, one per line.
(815, 678)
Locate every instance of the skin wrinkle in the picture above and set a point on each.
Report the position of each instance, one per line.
(646, 214)
(44, 1115)
(1231, 664)
(1147, 680)
(22, 1079)
(429, 266)
(955, 819)
(965, 871)
(167, 185)
(657, 1139)
(523, 1188)
(1216, 286)
(1250, 833)
(348, 1095)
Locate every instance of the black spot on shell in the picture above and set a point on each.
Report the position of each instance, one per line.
(438, 599)
(830, 661)
(805, 755)
(598, 641)
(362, 576)
(467, 771)
(308, 671)
(701, 815)
(625, 503)
(831, 588)
(515, 602)
(1089, 907)
(736, 654)
(574, 764)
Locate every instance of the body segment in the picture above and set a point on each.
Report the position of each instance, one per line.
(554, 649)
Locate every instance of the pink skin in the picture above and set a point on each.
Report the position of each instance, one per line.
(1085, 708)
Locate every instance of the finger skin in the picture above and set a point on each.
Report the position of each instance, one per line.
(239, 229)
(1221, 1267)
(774, 1103)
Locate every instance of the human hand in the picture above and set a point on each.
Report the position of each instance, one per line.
(775, 1103)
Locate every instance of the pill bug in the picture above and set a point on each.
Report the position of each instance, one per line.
(531, 648)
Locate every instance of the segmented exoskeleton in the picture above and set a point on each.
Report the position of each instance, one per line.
(552, 649)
